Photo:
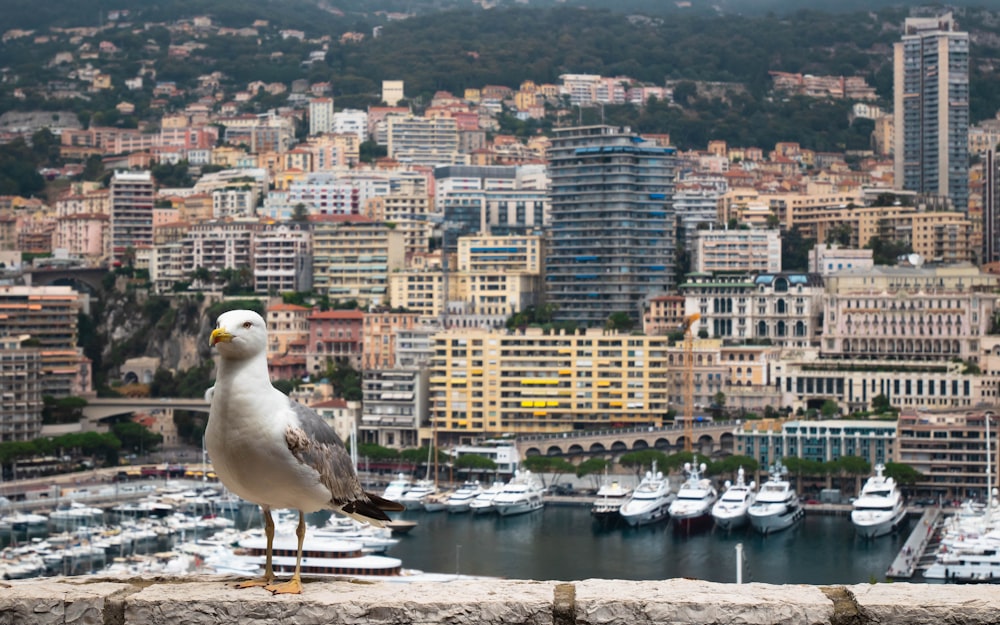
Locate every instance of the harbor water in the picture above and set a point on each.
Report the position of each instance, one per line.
(562, 543)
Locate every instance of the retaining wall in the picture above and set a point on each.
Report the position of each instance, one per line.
(204, 600)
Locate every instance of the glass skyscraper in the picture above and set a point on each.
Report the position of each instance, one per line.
(931, 109)
(613, 228)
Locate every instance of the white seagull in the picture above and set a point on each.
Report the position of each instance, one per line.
(272, 450)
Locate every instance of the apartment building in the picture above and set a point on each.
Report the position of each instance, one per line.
(931, 96)
(131, 212)
(736, 251)
(613, 227)
(948, 447)
(334, 336)
(394, 400)
(422, 141)
(218, 246)
(20, 390)
(380, 330)
(286, 323)
(830, 258)
(353, 257)
(233, 203)
(84, 235)
(320, 115)
(500, 275)
(770, 440)
(282, 258)
(492, 382)
(48, 315)
(410, 214)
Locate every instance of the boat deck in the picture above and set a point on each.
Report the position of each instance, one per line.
(906, 561)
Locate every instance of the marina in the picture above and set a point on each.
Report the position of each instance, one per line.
(168, 528)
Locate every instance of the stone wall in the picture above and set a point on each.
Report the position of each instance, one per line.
(204, 600)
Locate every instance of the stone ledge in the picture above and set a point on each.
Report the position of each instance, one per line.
(204, 600)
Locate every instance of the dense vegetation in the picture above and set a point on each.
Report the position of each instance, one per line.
(462, 48)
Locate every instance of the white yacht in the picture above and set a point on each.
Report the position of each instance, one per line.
(606, 508)
(649, 501)
(879, 509)
(414, 498)
(730, 511)
(483, 503)
(463, 496)
(523, 493)
(692, 509)
(397, 487)
(777, 505)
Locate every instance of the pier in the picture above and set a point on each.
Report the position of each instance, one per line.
(906, 561)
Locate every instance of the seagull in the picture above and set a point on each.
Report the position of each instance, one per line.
(274, 451)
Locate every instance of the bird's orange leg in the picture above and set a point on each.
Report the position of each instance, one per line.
(294, 585)
(268, 578)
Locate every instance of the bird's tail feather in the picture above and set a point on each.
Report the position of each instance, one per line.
(370, 509)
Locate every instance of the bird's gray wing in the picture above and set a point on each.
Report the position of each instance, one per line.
(314, 443)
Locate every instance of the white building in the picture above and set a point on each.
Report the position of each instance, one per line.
(351, 121)
(320, 115)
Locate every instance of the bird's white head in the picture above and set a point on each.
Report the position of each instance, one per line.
(240, 334)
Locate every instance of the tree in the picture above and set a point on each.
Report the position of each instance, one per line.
(377, 453)
(591, 466)
(731, 464)
(799, 467)
(903, 474)
(829, 409)
(136, 437)
(474, 462)
(881, 404)
(547, 464)
(642, 459)
(851, 466)
(619, 321)
(300, 213)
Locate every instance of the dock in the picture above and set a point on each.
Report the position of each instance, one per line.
(906, 561)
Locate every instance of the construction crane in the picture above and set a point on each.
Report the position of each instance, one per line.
(689, 380)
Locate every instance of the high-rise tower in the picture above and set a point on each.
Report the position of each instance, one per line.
(613, 228)
(131, 212)
(931, 112)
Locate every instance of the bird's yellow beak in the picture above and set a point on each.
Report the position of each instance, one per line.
(219, 335)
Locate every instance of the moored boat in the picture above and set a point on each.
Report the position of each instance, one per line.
(483, 503)
(879, 509)
(730, 511)
(650, 500)
(777, 505)
(692, 508)
(522, 494)
(606, 509)
(462, 498)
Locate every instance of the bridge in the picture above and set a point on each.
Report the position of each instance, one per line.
(710, 438)
(49, 276)
(102, 408)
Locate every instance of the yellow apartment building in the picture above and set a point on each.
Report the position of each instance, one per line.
(496, 382)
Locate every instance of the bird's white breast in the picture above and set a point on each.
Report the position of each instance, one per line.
(245, 439)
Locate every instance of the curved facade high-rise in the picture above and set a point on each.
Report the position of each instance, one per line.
(931, 109)
(613, 230)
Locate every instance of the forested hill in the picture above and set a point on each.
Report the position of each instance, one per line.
(310, 14)
(440, 47)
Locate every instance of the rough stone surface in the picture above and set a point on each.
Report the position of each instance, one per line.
(685, 601)
(212, 600)
(52, 602)
(346, 602)
(928, 604)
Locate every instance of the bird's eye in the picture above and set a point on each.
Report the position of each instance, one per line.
(247, 325)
